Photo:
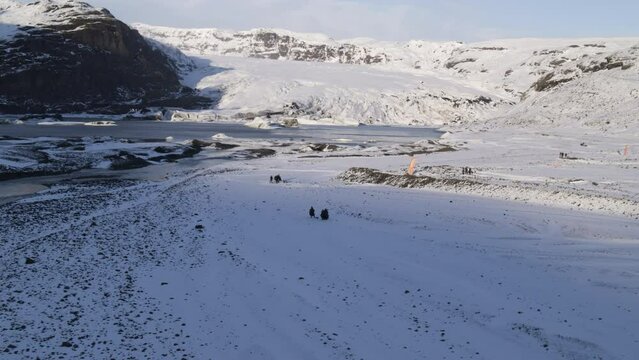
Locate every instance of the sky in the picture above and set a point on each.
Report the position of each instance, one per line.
(458, 20)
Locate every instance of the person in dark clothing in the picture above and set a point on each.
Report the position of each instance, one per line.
(311, 212)
(278, 179)
(271, 179)
(324, 214)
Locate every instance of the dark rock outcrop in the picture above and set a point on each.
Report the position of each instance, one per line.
(85, 60)
(126, 161)
(271, 45)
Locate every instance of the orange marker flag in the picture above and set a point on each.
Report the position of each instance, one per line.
(411, 167)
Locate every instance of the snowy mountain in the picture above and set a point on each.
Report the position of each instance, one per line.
(363, 80)
(70, 56)
(67, 56)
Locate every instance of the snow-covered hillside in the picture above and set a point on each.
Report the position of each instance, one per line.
(600, 91)
(16, 18)
(265, 44)
(363, 80)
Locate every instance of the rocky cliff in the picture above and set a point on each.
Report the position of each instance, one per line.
(68, 56)
(264, 44)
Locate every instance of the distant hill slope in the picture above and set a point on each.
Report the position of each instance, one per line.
(68, 56)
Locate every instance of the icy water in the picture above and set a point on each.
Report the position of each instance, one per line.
(180, 131)
(188, 130)
(11, 190)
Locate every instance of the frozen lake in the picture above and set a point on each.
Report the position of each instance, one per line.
(190, 130)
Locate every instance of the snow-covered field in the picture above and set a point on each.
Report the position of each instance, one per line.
(598, 173)
(217, 262)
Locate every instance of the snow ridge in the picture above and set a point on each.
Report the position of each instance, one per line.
(507, 67)
(16, 18)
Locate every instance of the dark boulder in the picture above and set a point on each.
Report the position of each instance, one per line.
(126, 161)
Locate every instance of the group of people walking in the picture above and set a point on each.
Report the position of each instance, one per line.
(563, 155)
(276, 179)
(467, 171)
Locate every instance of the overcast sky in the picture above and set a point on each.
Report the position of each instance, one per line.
(465, 20)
